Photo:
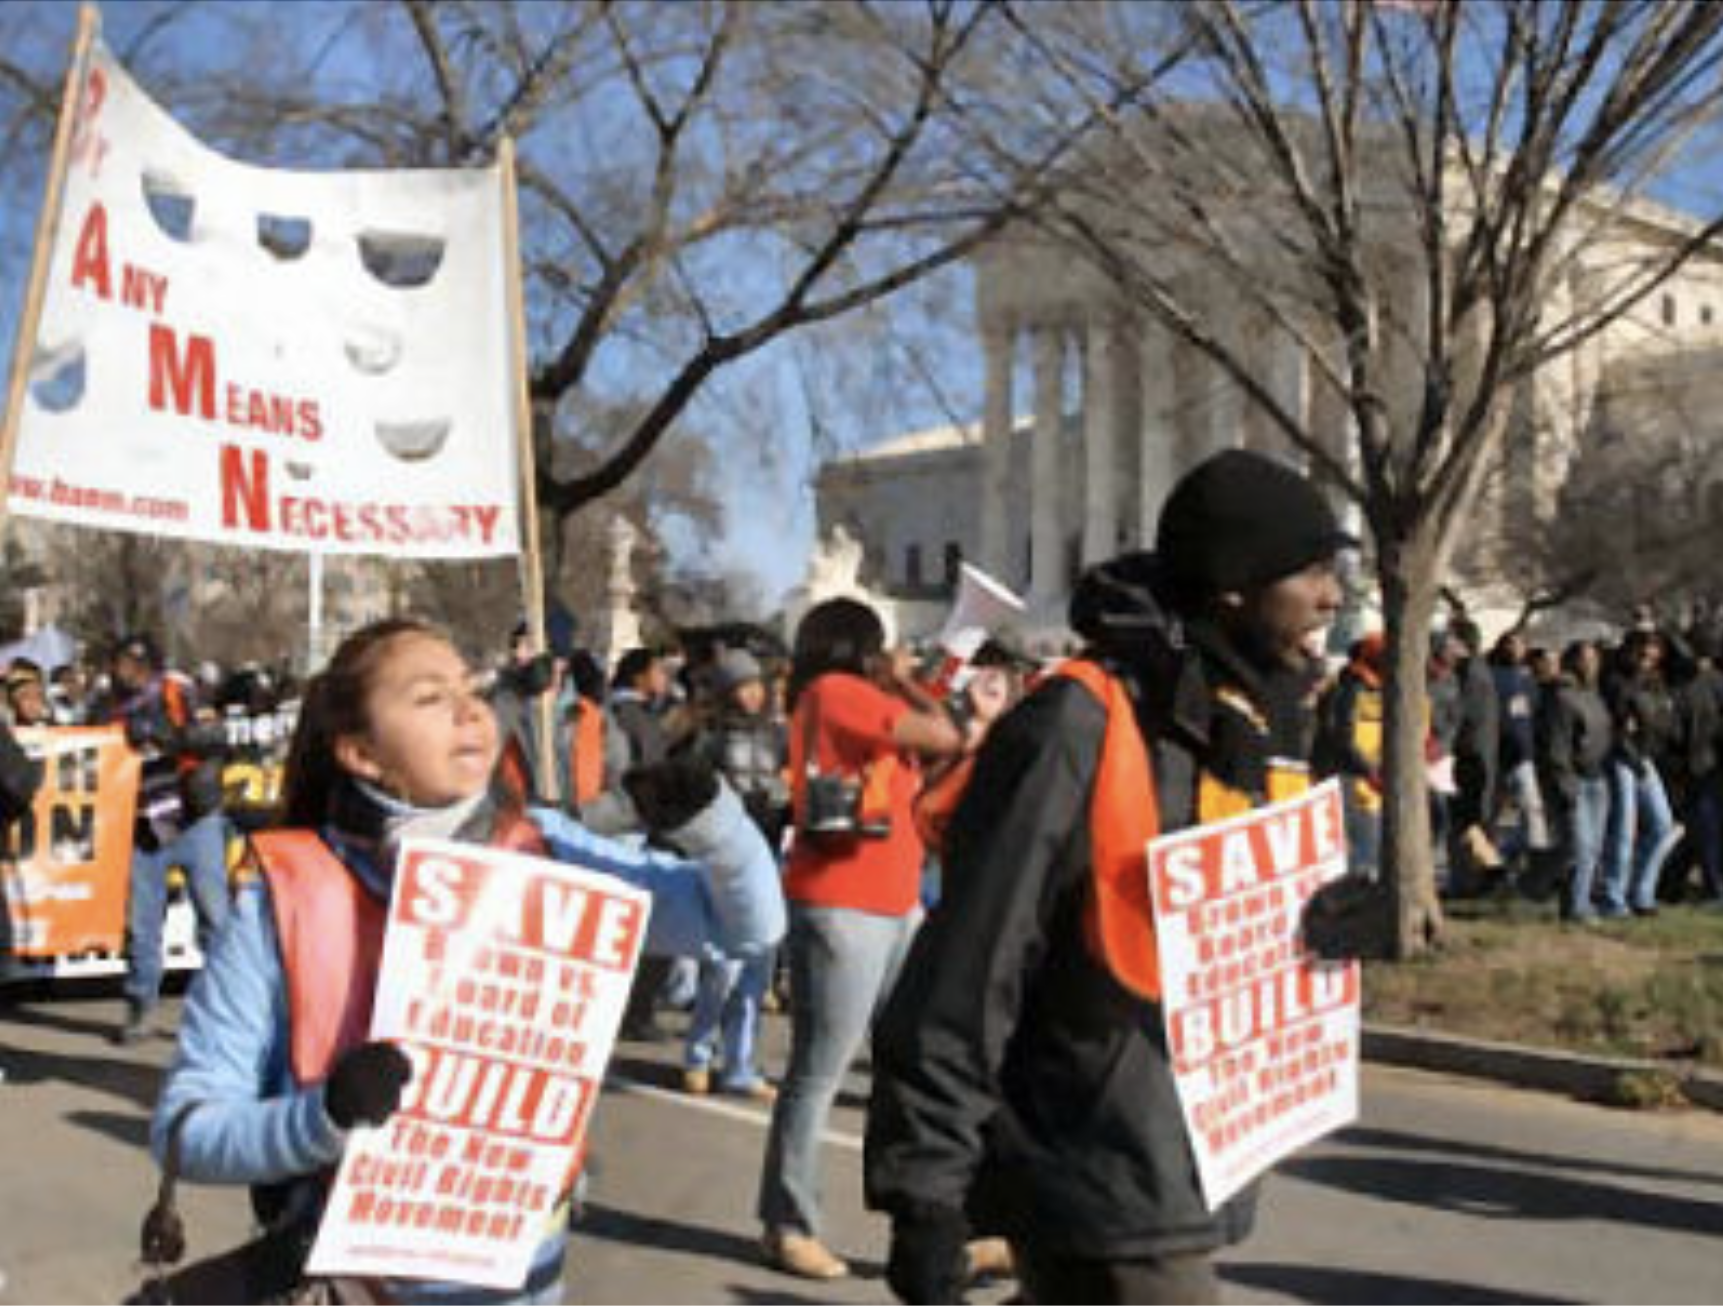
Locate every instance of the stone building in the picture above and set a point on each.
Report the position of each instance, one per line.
(1117, 408)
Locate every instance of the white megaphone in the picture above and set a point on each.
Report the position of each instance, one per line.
(982, 604)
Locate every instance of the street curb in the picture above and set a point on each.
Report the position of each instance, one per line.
(1595, 1078)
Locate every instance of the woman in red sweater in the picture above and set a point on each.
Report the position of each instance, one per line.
(854, 894)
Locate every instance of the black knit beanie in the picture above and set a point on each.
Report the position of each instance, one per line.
(1240, 519)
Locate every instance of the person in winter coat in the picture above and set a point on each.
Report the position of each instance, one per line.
(1517, 698)
(1575, 740)
(1476, 745)
(395, 741)
(747, 746)
(1349, 744)
(859, 722)
(1021, 1074)
(1642, 829)
(179, 819)
(1702, 724)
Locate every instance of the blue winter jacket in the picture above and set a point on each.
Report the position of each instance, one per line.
(254, 1125)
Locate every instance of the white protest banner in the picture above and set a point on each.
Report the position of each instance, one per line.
(503, 979)
(317, 362)
(1264, 1036)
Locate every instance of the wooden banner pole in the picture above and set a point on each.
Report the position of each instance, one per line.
(47, 224)
(532, 560)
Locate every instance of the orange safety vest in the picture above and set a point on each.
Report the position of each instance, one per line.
(1124, 814)
(586, 752)
(585, 757)
(331, 933)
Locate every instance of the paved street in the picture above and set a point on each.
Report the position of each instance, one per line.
(1448, 1191)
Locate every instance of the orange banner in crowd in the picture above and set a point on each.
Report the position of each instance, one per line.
(504, 978)
(66, 861)
(1264, 1036)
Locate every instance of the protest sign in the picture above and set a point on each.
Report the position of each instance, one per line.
(1263, 1036)
(320, 362)
(67, 859)
(503, 979)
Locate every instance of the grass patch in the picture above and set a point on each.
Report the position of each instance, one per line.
(1648, 988)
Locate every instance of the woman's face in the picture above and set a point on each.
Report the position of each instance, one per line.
(749, 697)
(430, 739)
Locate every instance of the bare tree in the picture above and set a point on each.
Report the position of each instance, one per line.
(699, 180)
(1441, 203)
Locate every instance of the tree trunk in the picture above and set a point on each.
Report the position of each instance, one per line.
(1407, 571)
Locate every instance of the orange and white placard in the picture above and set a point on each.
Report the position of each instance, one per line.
(503, 978)
(66, 861)
(1263, 1035)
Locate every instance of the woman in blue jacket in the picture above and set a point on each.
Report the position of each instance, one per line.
(394, 741)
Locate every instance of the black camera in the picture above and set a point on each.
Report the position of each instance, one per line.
(834, 806)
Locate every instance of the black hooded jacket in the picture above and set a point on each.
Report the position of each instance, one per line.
(1014, 1077)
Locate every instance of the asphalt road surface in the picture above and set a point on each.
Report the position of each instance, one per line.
(1447, 1191)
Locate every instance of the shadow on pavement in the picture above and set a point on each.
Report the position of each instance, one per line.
(123, 1079)
(61, 1017)
(632, 1229)
(1317, 1284)
(133, 1131)
(739, 1292)
(611, 1224)
(1399, 1141)
(1497, 1193)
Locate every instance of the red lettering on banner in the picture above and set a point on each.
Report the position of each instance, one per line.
(140, 288)
(92, 266)
(1244, 856)
(244, 489)
(474, 1092)
(271, 413)
(1237, 1018)
(90, 258)
(177, 380)
(89, 146)
(546, 914)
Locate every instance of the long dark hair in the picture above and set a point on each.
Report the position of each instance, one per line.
(334, 705)
(837, 635)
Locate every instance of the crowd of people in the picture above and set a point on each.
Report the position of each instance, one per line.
(958, 871)
(1592, 773)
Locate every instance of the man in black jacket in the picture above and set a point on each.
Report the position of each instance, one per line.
(179, 820)
(1019, 1083)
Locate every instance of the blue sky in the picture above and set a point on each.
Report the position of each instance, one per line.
(753, 413)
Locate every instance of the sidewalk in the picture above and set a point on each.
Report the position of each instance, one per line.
(1597, 1079)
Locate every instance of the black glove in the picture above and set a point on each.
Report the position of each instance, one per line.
(670, 794)
(1349, 919)
(929, 1255)
(365, 1088)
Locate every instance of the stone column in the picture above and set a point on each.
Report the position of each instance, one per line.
(1158, 432)
(1101, 410)
(996, 343)
(1289, 383)
(1046, 538)
(1219, 425)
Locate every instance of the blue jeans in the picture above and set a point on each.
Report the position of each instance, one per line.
(842, 965)
(1641, 836)
(201, 851)
(1363, 833)
(727, 1010)
(1532, 834)
(1586, 821)
(1708, 832)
